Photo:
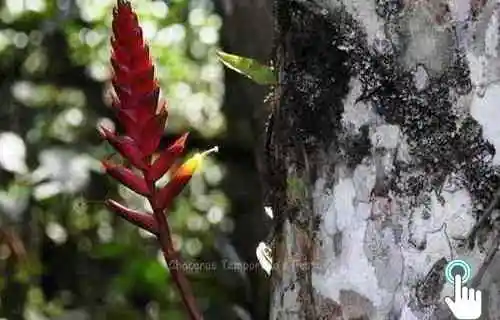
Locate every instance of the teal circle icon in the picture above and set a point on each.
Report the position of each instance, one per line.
(460, 265)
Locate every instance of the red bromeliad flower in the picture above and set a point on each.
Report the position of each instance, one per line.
(142, 117)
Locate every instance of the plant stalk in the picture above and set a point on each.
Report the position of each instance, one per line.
(173, 259)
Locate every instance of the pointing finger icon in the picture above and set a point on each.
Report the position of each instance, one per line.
(466, 303)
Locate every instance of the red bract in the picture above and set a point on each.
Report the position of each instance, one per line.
(142, 117)
(127, 177)
(144, 220)
(166, 158)
(126, 146)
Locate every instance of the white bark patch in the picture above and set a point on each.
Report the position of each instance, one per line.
(378, 259)
(453, 218)
(351, 271)
(460, 9)
(420, 78)
(481, 44)
(386, 136)
(478, 71)
(285, 297)
(486, 110)
(491, 38)
(357, 114)
(429, 43)
(407, 314)
(364, 180)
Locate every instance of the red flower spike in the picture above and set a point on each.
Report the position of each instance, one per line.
(142, 116)
(126, 147)
(134, 77)
(143, 220)
(166, 159)
(127, 177)
(181, 177)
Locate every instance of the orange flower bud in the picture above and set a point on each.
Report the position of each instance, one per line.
(190, 166)
(181, 177)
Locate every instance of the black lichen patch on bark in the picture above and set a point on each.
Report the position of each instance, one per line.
(428, 291)
(427, 118)
(315, 76)
(388, 9)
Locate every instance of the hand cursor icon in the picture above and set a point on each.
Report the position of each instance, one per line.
(466, 305)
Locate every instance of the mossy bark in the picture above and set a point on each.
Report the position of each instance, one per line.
(377, 163)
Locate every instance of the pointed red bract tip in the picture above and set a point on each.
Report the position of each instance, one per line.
(126, 146)
(136, 88)
(126, 177)
(182, 140)
(166, 159)
(143, 220)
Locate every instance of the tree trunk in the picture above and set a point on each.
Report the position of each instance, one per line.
(383, 156)
(246, 32)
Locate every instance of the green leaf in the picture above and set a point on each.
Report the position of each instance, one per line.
(248, 67)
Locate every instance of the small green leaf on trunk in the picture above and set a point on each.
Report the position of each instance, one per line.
(248, 67)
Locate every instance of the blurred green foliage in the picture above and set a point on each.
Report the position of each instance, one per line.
(62, 254)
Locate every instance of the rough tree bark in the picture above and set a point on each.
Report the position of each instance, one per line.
(383, 156)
